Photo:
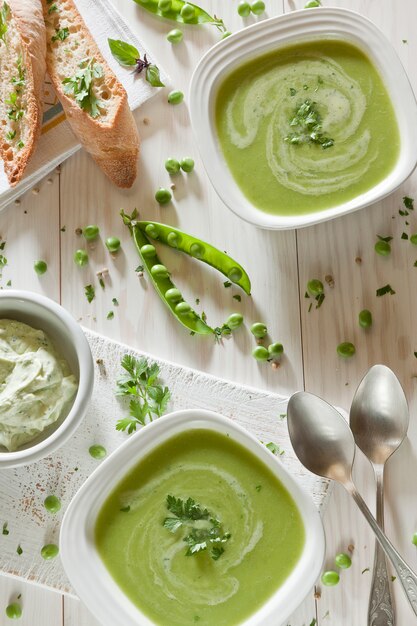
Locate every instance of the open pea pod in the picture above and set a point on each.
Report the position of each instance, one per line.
(198, 16)
(163, 284)
(199, 250)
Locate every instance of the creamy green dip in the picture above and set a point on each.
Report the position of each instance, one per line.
(35, 383)
(149, 563)
(254, 108)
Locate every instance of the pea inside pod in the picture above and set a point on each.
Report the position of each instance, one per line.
(180, 11)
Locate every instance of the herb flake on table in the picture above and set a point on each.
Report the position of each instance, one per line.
(110, 315)
(127, 55)
(148, 398)
(382, 291)
(5, 530)
(408, 203)
(115, 302)
(90, 293)
(275, 448)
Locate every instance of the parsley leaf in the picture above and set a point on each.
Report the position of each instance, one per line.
(382, 291)
(408, 203)
(60, 34)
(81, 87)
(274, 448)
(5, 530)
(90, 293)
(307, 125)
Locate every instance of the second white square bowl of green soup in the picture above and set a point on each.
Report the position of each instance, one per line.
(304, 117)
(190, 521)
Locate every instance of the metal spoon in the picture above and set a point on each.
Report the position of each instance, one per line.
(379, 420)
(324, 443)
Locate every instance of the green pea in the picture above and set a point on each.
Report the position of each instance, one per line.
(365, 318)
(159, 271)
(413, 239)
(234, 274)
(312, 4)
(173, 239)
(175, 97)
(188, 12)
(343, 560)
(164, 5)
(187, 164)
(81, 257)
(112, 244)
(315, 287)
(383, 248)
(346, 349)
(258, 7)
(330, 578)
(276, 350)
(148, 251)
(172, 166)
(197, 250)
(182, 308)
(260, 353)
(14, 611)
(234, 321)
(50, 551)
(97, 451)
(52, 504)
(163, 196)
(243, 8)
(259, 330)
(152, 231)
(226, 34)
(175, 36)
(173, 295)
(414, 539)
(91, 232)
(40, 267)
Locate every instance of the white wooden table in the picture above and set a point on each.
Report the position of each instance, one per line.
(280, 264)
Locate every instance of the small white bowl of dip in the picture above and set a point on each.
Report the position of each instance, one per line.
(270, 36)
(70, 344)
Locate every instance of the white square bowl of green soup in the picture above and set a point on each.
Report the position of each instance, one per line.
(192, 520)
(304, 117)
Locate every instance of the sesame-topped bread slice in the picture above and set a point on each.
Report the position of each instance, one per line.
(94, 101)
(22, 75)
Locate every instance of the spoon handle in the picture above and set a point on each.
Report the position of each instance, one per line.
(380, 610)
(406, 576)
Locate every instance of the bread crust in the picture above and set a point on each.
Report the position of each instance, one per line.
(114, 143)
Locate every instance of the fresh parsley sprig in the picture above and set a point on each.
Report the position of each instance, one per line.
(81, 86)
(208, 534)
(148, 398)
(128, 55)
(307, 125)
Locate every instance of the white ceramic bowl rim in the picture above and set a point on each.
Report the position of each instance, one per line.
(85, 380)
(272, 34)
(88, 574)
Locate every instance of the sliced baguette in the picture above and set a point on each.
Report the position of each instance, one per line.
(22, 59)
(111, 137)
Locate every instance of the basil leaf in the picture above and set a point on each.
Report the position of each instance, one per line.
(153, 77)
(123, 52)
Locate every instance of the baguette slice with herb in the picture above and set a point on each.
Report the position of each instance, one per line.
(94, 101)
(22, 75)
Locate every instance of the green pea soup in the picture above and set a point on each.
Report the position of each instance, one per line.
(149, 562)
(306, 127)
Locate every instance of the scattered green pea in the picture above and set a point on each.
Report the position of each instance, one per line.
(40, 267)
(49, 551)
(81, 257)
(148, 251)
(159, 271)
(346, 349)
(91, 232)
(234, 321)
(197, 250)
(172, 166)
(259, 330)
(276, 350)
(413, 239)
(163, 196)
(97, 451)
(187, 12)
(234, 274)
(365, 319)
(14, 611)
(152, 231)
(175, 97)
(243, 8)
(343, 560)
(52, 504)
(173, 239)
(260, 353)
(182, 308)
(164, 5)
(330, 578)
(414, 539)
(175, 36)
(315, 287)
(226, 34)
(312, 4)
(173, 295)
(258, 7)
(187, 164)
(383, 248)
(113, 244)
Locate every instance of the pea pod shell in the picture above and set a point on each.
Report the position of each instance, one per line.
(211, 255)
(174, 13)
(192, 321)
